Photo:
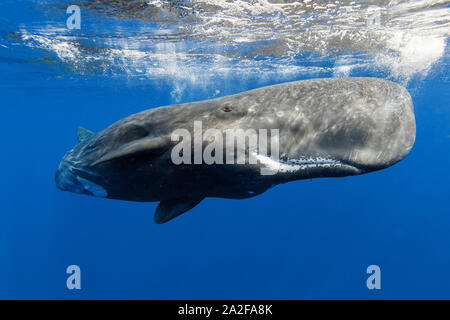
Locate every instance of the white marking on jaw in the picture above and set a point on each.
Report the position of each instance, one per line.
(94, 188)
(293, 165)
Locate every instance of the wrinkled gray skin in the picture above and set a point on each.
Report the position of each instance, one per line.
(357, 125)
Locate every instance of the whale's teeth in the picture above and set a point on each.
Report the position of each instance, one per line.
(293, 165)
(94, 188)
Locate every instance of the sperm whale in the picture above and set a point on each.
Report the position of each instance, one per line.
(331, 127)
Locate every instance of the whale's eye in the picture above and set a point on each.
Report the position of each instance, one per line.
(226, 108)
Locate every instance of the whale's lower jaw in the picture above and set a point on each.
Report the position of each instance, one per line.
(305, 165)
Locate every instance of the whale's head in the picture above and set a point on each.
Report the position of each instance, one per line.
(357, 125)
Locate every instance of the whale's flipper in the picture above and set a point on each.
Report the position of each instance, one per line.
(169, 209)
(83, 134)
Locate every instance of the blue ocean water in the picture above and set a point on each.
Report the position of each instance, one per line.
(302, 240)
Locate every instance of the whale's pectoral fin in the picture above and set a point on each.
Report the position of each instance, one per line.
(83, 134)
(169, 209)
